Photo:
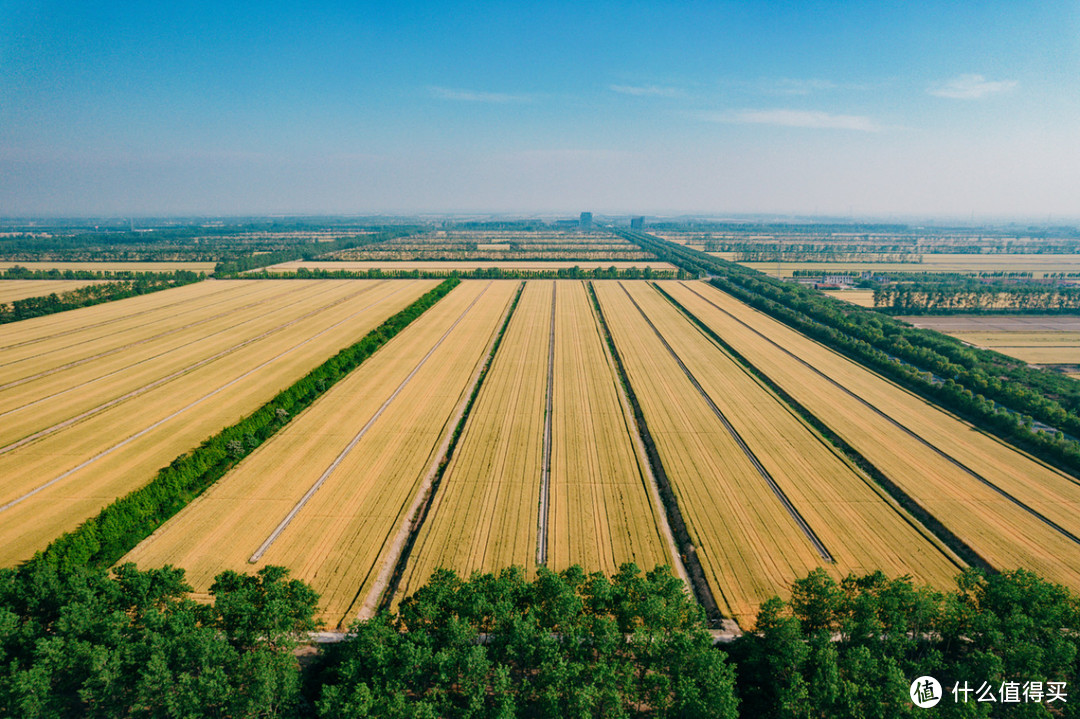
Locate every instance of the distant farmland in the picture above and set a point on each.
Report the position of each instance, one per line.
(1037, 264)
(464, 265)
(204, 267)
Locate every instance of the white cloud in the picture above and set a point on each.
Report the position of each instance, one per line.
(448, 93)
(795, 118)
(970, 87)
(646, 90)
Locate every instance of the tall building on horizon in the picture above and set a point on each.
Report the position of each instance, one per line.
(585, 222)
(637, 223)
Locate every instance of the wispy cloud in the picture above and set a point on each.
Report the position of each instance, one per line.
(647, 90)
(458, 95)
(793, 86)
(794, 118)
(970, 87)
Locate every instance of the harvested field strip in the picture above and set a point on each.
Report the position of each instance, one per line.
(545, 467)
(602, 512)
(748, 547)
(753, 458)
(83, 320)
(916, 436)
(254, 301)
(1003, 534)
(152, 429)
(485, 514)
(343, 536)
(11, 290)
(863, 528)
(65, 412)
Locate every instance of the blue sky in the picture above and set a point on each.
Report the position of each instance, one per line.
(883, 109)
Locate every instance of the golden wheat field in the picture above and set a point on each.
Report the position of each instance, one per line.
(343, 536)
(94, 401)
(11, 290)
(601, 512)
(485, 514)
(750, 544)
(921, 448)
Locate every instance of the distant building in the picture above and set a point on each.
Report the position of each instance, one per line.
(637, 223)
(586, 220)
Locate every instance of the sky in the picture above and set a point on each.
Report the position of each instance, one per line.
(875, 109)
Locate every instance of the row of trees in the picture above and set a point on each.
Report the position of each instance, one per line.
(102, 540)
(144, 283)
(996, 392)
(976, 297)
(825, 255)
(132, 643)
(481, 273)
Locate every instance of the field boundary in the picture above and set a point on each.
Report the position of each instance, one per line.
(429, 497)
(545, 467)
(103, 539)
(703, 592)
(906, 506)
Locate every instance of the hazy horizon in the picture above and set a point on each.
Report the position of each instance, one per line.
(906, 112)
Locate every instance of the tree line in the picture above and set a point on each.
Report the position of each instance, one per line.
(971, 297)
(133, 643)
(480, 273)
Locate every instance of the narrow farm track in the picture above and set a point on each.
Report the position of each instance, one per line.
(907, 430)
(545, 468)
(12, 427)
(129, 346)
(119, 449)
(999, 531)
(346, 533)
(781, 496)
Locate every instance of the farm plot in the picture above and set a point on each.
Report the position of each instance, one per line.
(485, 513)
(1007, 507)
(601, 515)
(61, 467)
(1049, 340)
(785, 500)
(1039, 265)
(371, 440)
(203, 267)
(11, 290)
